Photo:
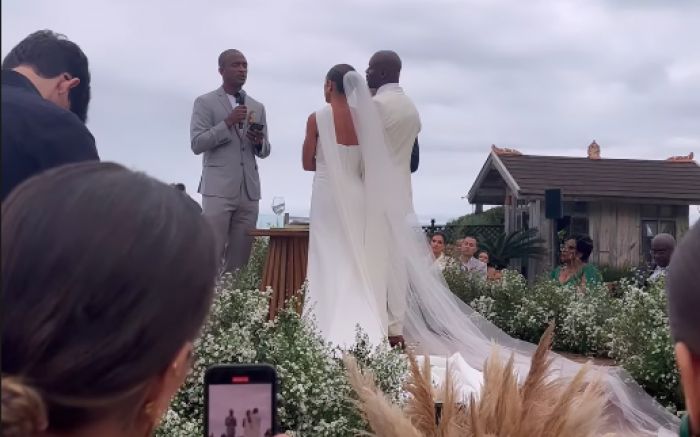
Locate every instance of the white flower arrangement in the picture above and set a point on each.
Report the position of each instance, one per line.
(315, 398)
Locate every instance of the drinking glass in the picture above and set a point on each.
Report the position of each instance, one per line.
(278, 207)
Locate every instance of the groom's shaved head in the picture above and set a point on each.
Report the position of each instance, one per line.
(384, 67)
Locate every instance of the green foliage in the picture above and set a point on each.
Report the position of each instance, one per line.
(456, 228)
(616, 274)
(640, 340)
(520, 244)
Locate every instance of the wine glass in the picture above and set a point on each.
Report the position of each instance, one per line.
(278, 207)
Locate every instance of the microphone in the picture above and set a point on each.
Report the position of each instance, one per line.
(240, 101)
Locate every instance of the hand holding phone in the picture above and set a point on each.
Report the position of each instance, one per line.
(240, 398)
(255, 133)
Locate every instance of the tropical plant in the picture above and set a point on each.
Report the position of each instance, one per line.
(521, 244)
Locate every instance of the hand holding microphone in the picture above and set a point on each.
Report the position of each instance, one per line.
(239, 113)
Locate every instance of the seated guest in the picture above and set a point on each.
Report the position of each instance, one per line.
(437, 245)
(468, 249)
(491, 273)
(662, 247)
(575, 269)
(454, 250)
(103, 294)
(683, 309)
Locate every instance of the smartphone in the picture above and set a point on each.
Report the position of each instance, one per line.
(240, 399)
(257, 126)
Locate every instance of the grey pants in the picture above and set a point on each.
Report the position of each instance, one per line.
(231, 220)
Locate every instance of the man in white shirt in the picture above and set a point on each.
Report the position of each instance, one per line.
(468, 249)
(662, 247)
(401, 126)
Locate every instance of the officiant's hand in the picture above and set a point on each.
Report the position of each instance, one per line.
(255, 136)
(236, 116)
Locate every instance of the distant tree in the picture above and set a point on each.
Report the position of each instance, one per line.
(457, 228)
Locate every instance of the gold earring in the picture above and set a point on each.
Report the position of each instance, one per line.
(148, 408)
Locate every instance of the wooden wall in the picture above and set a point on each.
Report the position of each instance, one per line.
(546, 232)
(682, 220)
(616, 232)
(614, 227)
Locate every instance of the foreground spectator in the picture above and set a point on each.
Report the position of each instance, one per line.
(103, 294)
(662, 247)
(575, 269)
(45, 96)
(683, 308)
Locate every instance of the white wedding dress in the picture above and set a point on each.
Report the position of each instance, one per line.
(339, 295)
(358, 206)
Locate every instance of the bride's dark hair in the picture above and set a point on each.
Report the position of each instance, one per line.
(336, 74)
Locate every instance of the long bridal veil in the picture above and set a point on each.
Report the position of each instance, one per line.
(436, 320)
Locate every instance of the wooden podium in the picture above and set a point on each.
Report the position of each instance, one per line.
(285, 265)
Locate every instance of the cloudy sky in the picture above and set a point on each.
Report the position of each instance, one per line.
(542, 76)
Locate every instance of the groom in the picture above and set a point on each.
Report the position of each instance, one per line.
(401, 125)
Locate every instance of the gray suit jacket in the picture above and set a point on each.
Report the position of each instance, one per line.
(228, 156)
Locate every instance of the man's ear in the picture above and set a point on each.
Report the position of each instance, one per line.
(689, 368)
(67, 84)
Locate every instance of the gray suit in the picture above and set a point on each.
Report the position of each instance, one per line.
(230, 184)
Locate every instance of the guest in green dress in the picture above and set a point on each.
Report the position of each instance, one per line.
(575, 269)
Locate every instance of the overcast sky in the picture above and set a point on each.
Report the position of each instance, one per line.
(545, 77)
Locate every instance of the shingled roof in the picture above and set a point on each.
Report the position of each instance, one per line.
(529, 176)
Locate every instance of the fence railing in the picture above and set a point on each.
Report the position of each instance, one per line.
(454, 232)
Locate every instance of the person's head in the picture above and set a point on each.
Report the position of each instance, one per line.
(662, 247)
(179, 186)
(233, 68)
(384, 67)
(576, 248)
(333, 87)
(584, 247)
(683, 296)
(483, 257)
(103, 294)
(437, 243)
(230, 413)
(255, 411)
(469, 247)
(57, 67)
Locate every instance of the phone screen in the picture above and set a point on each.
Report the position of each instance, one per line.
(240, 403)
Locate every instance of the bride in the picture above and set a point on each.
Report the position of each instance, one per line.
(356, 208)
